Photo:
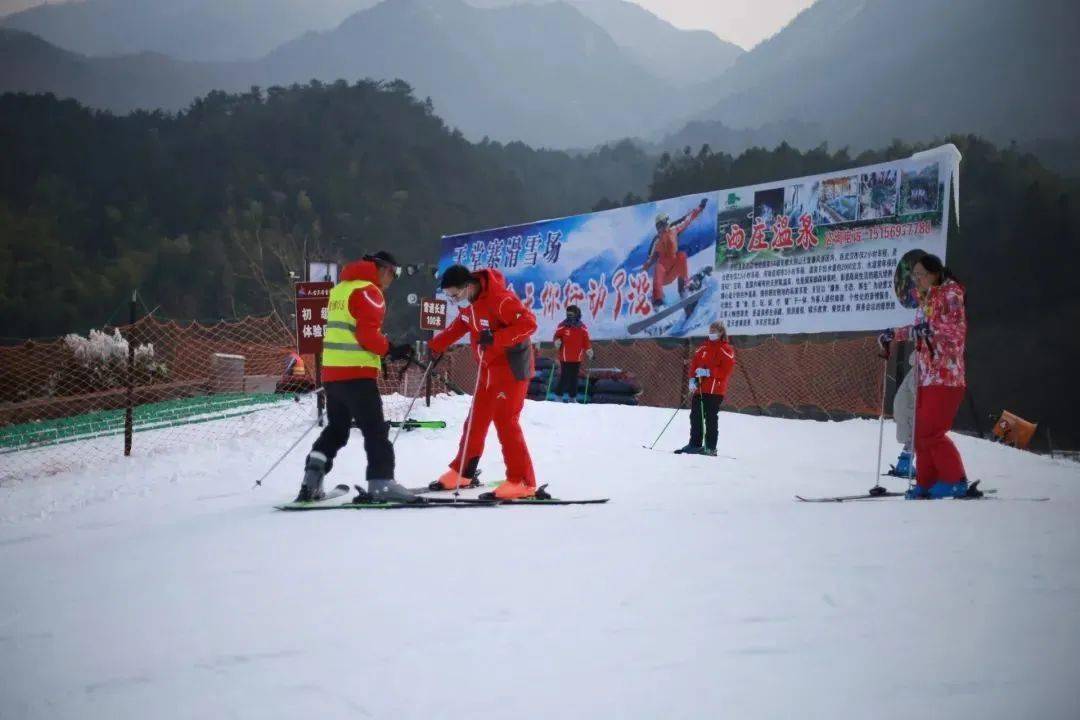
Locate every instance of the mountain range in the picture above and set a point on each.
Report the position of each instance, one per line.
(854, 73)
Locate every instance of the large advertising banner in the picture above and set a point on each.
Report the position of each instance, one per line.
(830, 252)
(826, 253)
(630, 270)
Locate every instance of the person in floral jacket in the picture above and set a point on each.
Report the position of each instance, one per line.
(940, 333)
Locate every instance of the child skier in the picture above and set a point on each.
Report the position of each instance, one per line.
(572, 340)
(709, 372)
(499, 328)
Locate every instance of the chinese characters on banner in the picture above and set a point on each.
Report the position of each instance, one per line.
(823, 253)
(312, 300)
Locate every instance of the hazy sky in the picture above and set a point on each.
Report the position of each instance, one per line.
(743, 22)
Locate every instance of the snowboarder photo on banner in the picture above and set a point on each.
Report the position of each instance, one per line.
(574, 345)
(710, 369)
(666, 260)
(940, 333)
(500, 329)
(352, 352)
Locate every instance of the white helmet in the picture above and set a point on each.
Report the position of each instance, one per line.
(663, 219)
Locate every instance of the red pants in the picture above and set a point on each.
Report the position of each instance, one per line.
(665, 271)
(498, 399)
(936, 456)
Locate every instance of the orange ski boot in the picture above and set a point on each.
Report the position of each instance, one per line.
(514, 490)
(452, 480)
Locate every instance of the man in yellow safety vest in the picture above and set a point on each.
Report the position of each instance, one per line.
(353, 349)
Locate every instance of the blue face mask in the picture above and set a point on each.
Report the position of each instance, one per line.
(714, 336)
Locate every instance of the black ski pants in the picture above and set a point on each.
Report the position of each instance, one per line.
(704, 411)
(568, 376)
(357, 400)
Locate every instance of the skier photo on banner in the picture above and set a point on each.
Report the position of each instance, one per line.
(352, 352)
(666, 260)
(710, 369)
(940, 333)
(574, 345)
(500, 329)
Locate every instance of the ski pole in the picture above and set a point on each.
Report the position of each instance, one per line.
(914, 422)
(551, 377)
(284, 455)
(681, 406)
(469, 422)
(878, 489)
(412, 401)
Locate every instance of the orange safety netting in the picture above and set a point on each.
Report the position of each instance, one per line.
(184, 384)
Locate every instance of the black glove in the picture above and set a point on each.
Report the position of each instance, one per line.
(400, 352)
(923, 330)
(703, 203)
(485, 339)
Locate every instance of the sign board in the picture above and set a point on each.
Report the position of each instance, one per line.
(312, 300)
(323, 272)
(824, 253)
(432, 314)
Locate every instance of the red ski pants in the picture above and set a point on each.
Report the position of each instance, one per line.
(498, 399)
(665, 271)
(936, 456)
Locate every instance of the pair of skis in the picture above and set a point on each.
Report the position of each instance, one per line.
(879, 493)
(542, 497)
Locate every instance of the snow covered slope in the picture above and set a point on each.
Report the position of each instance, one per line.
(167, 587)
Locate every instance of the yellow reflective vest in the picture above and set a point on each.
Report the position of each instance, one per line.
(340, 348)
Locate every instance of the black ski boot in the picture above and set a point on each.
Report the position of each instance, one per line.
(314, 471)
(973, 491)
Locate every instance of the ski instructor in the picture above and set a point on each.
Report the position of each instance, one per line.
(353, 347)
(499, 328)
(667, 261)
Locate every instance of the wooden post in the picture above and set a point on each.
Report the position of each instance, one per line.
(129, 404)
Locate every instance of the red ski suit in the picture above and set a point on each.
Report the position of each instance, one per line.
(941, 383)
(575, 341)
(718, 357)
(505, 369)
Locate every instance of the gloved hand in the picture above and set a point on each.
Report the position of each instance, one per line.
(403, 351)
(558, 343)
(885, 338)
(702, 372)
(923, 330)
(485, 339)
(693, 384)
(703, 203)
(589, 353)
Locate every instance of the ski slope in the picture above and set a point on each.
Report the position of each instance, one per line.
(166, 587)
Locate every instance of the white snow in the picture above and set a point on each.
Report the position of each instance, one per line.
(165, 587)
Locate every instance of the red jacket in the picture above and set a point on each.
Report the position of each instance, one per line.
(498, 310)
(575, 341)
(367, 307)
(943, 308)
(718, 357)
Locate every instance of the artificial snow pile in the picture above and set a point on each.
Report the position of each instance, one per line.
(167, 587)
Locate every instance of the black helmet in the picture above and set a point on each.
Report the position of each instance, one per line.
(455, 276)
(384, 259)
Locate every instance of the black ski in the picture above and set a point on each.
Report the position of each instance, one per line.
(334, 492)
